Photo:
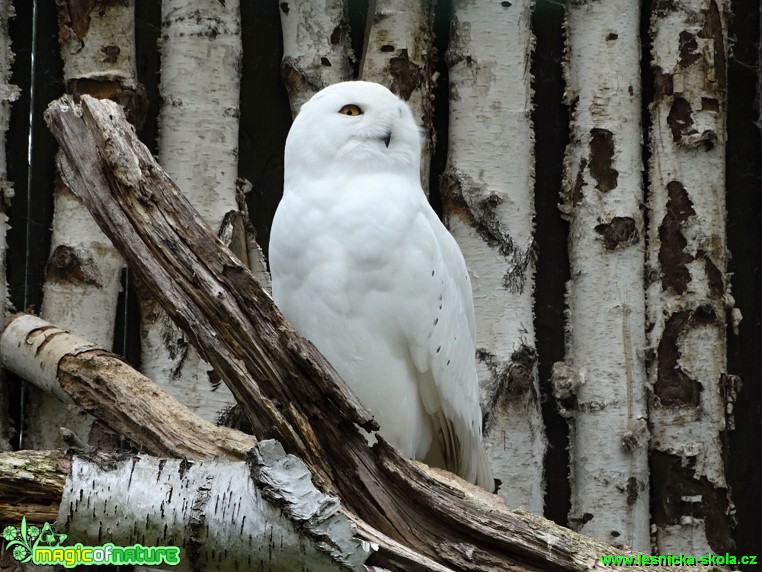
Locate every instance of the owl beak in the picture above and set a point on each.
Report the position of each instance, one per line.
(386, 138)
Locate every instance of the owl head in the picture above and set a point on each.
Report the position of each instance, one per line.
(354, 126)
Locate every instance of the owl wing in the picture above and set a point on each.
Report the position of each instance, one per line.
(443, 350)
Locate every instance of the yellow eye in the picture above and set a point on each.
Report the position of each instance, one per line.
(350, 109)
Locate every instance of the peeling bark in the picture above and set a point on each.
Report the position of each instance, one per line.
(605, 328)
(689, 289)
(488, 205)
(261, 513)
(76, 372)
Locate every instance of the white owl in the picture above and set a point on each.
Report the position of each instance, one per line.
(363, 267)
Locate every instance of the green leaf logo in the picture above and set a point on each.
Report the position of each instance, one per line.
(23, 541)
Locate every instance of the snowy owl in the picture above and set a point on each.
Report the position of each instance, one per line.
(363, 267)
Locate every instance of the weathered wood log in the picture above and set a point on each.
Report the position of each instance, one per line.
(286, 388)
(35, 483)
(101, 383)
(177, 502)
(97, 381)
(44, 476)
(31, 483)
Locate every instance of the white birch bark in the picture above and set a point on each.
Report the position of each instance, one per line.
(198, 147)
(488, 202)
(8, 93)
(97, 43)
(82, 280)
(31, 348)
(74, 370)
(398, 54)
(263, 514)
(689, 289)
(316, 48)
(604, 365)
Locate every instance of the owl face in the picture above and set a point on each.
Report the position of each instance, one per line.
(354, 127)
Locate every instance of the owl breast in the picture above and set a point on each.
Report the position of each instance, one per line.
(342, 259)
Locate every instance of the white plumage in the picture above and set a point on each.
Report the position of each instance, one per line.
(363, 267)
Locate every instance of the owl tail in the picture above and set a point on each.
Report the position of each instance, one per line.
(484, 476)
(464, 456)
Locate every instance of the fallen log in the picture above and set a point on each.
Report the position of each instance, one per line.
(46, 486)
(99, 382)
(158, 502)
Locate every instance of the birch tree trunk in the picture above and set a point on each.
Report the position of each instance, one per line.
(223, 515)
(316, 48)
(198, 146)
(8, 93)
(82, 278)
(688, 286)
(398, 54)
(601, 385)
(488, 203)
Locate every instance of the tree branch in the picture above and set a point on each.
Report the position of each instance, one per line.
(100, 383)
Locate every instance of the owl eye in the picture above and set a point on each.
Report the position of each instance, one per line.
(350, 109)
